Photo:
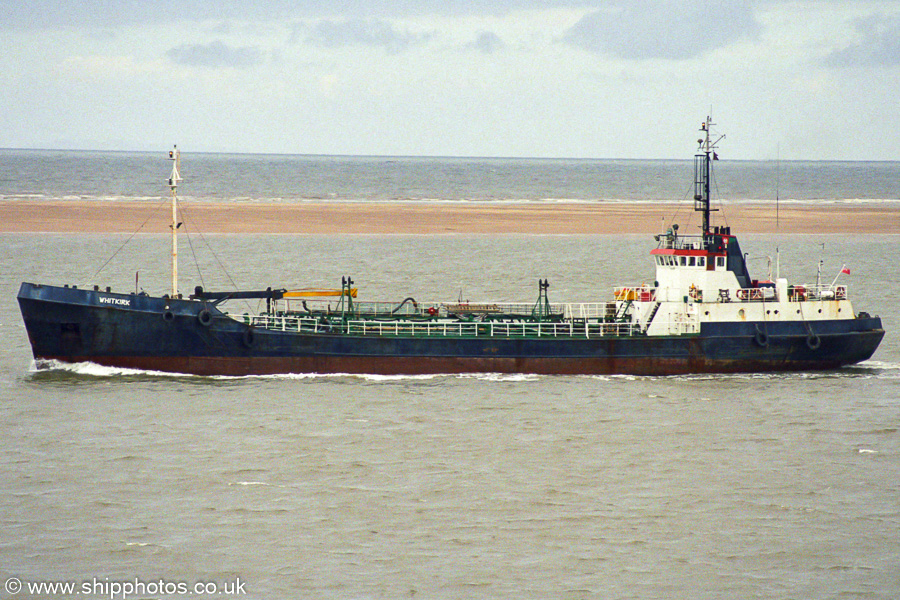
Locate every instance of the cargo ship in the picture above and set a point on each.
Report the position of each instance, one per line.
(703, 314)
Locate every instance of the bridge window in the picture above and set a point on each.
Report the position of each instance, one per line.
(720, 261)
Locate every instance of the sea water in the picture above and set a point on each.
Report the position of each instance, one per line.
(475, 486)
(70, 175)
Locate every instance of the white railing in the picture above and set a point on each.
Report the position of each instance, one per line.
(795, 293)
(816, 293)
(589, 310)
(490, 329)
(680, 242)
(440, 328)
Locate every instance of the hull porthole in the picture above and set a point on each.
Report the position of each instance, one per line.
(204, 317)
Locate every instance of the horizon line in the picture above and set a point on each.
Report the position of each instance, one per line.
(434, 156)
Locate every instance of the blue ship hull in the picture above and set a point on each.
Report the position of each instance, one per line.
(194, 337)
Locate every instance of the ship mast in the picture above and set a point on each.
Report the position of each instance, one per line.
(174, 178)
(705, 154)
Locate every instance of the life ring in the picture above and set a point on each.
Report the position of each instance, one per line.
(249, 337)
(204, 317)
(756, 294)
(813, 341)
(742, 294)
(693, 292)
(432, 311)
(761, 338)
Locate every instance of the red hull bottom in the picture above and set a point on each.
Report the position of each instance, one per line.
(242, 366)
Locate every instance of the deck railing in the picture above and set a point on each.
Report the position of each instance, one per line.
(795, 293)
(490, 329)
(441, 328)
(816, 293)
(680, 242)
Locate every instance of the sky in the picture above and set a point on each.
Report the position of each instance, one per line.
(794, 80)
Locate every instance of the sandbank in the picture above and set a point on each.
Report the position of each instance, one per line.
(437, 218)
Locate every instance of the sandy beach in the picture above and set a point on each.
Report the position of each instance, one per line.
(421, 218)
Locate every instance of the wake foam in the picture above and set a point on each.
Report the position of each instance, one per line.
(94, 370)
(869, 369)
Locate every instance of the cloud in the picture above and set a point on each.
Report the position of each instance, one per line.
(360, 32)
(880, 45)
(43, 14)
(108, 67)
(667, 29)
(214, 55)
(487, 42)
